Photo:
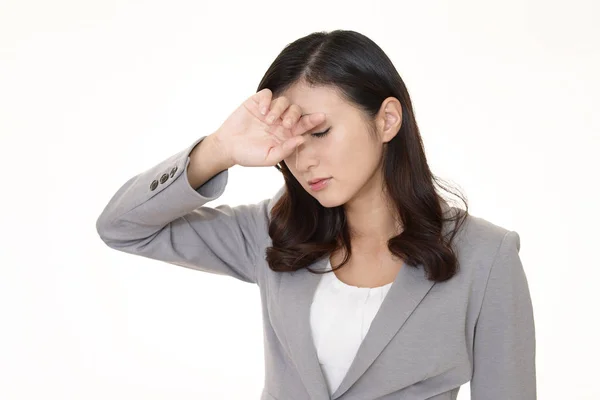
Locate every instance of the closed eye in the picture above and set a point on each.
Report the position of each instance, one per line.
(321, 134)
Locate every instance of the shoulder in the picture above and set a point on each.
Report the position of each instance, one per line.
(480, 242)
(475, 234)
(479, 232)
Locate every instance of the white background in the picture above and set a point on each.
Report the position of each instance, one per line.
(506, 95)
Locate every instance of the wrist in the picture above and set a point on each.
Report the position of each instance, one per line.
(220, 150)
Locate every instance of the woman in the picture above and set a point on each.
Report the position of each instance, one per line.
(372, 285)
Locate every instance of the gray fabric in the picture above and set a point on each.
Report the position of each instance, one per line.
(427, 338)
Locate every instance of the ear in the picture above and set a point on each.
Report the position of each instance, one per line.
(389, 119)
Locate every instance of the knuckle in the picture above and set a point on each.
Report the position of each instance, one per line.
(295, 110)
(276, 105)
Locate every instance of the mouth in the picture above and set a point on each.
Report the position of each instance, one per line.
(319, 184)
(312, 182)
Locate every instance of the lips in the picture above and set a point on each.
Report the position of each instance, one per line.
(312, 182)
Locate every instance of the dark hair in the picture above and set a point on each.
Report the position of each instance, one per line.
(302, 230)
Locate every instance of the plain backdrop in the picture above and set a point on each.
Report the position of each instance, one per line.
(506, 95)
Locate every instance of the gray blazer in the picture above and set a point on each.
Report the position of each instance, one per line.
(427, 338)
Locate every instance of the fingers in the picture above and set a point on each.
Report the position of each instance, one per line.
(278, 107)
(281, 114)
(291, 115)
(262, 100)
(308, 122)
(283, 150)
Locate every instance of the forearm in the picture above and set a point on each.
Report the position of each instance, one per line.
(206, 160)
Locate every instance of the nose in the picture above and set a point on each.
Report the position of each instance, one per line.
(304, 157)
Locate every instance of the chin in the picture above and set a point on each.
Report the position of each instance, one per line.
(328, 201)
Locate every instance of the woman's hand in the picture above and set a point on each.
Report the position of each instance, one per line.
(253, 139)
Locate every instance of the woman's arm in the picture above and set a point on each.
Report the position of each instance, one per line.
(504, 341)
(158, 214)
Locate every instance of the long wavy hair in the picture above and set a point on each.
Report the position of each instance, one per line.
(302, 230)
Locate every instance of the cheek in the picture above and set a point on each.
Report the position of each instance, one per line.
(357, 166)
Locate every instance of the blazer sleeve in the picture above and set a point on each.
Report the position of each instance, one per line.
(504, 340)
(157, 214)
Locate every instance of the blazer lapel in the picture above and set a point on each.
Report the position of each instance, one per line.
(405, 294)
(295, 297)
(296, 292)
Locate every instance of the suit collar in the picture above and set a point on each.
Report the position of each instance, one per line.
(295, 296)
(296, 293)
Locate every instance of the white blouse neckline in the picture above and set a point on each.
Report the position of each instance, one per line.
(335, 281)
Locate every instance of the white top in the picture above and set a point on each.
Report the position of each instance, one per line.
(340, 317)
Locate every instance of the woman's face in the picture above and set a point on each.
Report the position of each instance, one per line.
(346, 154)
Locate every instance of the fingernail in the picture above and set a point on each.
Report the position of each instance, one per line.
(271, 118)
(263, 110)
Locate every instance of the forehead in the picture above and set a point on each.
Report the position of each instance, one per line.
(314, 99)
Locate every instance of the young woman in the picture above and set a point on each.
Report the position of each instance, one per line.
(372, 285)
